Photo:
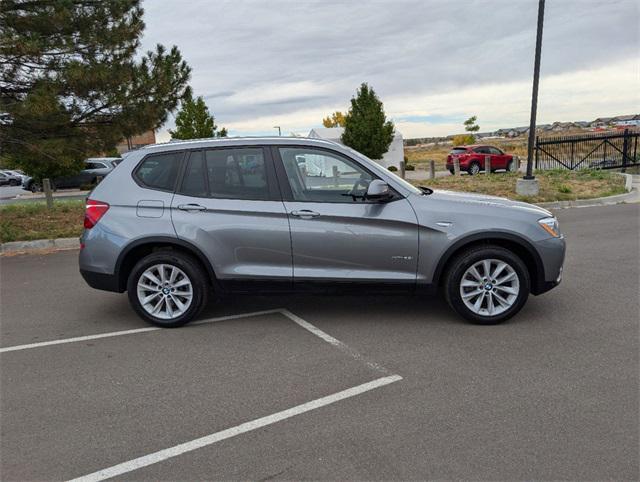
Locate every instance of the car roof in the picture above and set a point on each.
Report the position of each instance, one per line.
(244, 141)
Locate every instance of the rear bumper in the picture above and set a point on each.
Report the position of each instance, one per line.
(101, 281)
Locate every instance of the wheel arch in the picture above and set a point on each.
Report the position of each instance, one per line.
(518, 245)
(142, 247)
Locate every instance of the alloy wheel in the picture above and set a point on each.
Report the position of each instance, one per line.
(489, 287)
(165, 291)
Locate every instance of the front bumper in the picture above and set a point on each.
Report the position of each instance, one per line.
(552, 254)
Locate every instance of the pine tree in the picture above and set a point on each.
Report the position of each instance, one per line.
(71, 84)
(366, 128)
(470, 124)
(194, 121)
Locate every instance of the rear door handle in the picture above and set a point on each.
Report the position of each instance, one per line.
(305, 214)
(191, 207)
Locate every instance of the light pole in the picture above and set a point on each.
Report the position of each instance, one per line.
(529, 185)
(279, 131)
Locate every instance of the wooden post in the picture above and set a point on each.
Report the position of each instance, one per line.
(487, 164)
(516, 161)
(402, 169)
(46, 187)
(456, 166)
(432, 169)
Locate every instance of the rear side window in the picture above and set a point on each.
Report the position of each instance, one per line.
(159, 171)
(226, 174)
(237, 173)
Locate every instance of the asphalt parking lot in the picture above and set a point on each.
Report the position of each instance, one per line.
(331, 387)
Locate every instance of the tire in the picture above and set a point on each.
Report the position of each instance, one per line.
(168, 297)
(474, 168)
(452, 171)
(461, 269)
(34, 187)
(13, 182)
(511, 166)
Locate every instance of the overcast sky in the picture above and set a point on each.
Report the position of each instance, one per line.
(432, 62)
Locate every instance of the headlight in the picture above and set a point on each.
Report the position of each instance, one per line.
(550, 225)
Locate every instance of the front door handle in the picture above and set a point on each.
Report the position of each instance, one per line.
(305, 214)
(191, 207)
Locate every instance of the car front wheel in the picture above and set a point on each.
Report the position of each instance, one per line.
(167, 288)
(487, 285)
(474, 168)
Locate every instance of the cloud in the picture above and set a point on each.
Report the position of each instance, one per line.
(288, 63)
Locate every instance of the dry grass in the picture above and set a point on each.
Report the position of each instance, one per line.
(554, 185)
(29, 221)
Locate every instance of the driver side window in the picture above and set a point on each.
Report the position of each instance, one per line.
(322, 176)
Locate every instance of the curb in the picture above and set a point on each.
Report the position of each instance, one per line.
(631, 194)
(17, 247)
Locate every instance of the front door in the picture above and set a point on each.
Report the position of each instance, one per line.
(228, 205)
(336, 235)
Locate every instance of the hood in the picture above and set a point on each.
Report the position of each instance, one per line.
(488, 201)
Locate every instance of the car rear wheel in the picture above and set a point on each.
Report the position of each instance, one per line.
(487, 285)
(474, 168)
(167, 288)
(13, 182)
(511, 166)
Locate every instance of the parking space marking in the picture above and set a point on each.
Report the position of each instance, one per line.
(182, 448)
(131, 332)
(335, 342)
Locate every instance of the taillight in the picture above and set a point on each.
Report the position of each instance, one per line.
(93, 212)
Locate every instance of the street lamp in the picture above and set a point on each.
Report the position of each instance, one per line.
(528, 185)
(279, 131)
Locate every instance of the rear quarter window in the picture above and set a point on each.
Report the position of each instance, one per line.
(159, 171)
(458, 150)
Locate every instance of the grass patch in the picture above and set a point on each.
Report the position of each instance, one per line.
(560, 185)
(29, 221)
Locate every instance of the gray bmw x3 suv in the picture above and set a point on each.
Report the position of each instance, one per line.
(174, 223)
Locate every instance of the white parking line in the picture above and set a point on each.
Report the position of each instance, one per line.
(333, 341)
(176, 450)
(130, 332)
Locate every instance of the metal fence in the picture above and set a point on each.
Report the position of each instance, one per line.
(592, 151)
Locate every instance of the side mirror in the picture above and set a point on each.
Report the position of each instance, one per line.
(378, 190)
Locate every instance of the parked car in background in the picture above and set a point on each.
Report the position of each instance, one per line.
(17, 173)
(177, 221)
(95, 167)
(472, 159)
(9, 178)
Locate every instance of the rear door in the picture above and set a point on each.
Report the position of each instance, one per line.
(336, 235)
(498, 158)
(228, 204)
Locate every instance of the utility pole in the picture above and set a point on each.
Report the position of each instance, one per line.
(279, 131)
(528, 186)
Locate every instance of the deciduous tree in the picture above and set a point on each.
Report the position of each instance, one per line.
(337, 119)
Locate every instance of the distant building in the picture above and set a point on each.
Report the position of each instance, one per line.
(393, 157)
(136, 142)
